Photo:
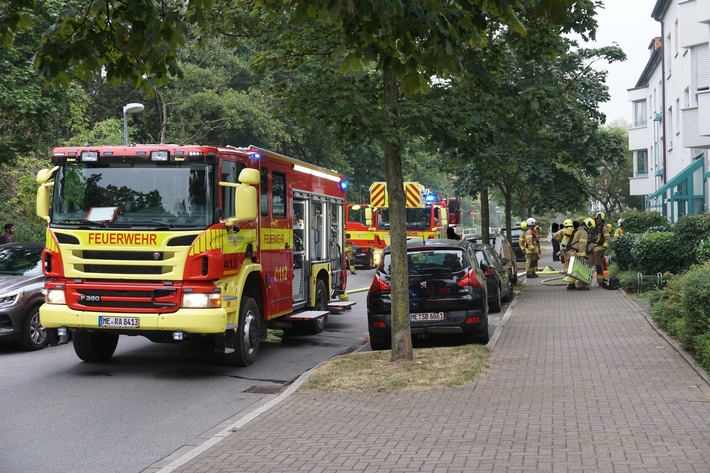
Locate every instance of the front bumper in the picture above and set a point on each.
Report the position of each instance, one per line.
(187, 320)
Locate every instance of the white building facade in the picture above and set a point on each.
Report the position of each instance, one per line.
(670, 131)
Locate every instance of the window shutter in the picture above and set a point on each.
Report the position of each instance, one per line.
(702, 59)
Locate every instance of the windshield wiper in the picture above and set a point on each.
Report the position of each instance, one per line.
(153, 222)
(98, 224)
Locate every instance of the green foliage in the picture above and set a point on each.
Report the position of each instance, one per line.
(695, 295)
(18, 198)
(702, 253)
(654, 253)
(640, 222)
(690, 231)
(622, 247)
(668, 312)
(702, 350)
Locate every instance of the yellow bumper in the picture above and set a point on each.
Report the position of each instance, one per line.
(187, 320)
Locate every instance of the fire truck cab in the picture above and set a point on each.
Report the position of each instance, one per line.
(176, 242)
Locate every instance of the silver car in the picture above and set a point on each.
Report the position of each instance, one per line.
(21, 284)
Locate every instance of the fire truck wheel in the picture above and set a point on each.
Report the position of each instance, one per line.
(321, 304)
(94, 347)
(246, 342)
(370, 261)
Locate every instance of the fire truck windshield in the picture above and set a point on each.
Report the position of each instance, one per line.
(417, 219)
(136, 195)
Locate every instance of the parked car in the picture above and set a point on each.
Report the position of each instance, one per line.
(514, 240)
(500, 287)
(21, 284)
(447, 293)
(504, 249)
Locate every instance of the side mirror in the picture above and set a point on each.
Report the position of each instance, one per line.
(245, 196)
(368, 216)
(505, 260)
(43, 195)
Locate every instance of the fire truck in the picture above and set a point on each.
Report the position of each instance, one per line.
(360, 233)
(426, 217)
(175, 242)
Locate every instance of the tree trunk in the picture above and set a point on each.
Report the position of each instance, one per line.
(485, 216)
(401, 330)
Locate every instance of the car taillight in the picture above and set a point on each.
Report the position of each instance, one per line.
(379, 284)
(489, 272)
(470, 280)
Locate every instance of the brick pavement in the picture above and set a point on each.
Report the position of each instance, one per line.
(579, 382)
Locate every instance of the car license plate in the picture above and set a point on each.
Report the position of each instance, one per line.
(423, 316)
(120, 322)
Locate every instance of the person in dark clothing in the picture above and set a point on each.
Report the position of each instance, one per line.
(451, 234)
(555, 243)
(7, 236)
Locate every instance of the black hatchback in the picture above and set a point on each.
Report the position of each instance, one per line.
(500, 287)
(447, 293)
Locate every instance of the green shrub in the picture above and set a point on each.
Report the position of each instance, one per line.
(690, 230)
(621, 251)
(702, 350)
(695, 298)
(640, 222)
(668, 311)
(702, 252)
(654, 253)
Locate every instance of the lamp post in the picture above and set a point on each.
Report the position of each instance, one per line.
(130, 108)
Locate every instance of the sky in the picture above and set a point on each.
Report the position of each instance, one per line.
(628, 23)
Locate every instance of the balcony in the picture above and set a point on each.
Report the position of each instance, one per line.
(696, 123)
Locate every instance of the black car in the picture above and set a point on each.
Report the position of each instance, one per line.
(500, 287)
(514, 240)
(21, 284)
(504, 249)
(447, 293)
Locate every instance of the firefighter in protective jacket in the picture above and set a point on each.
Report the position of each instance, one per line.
(531, 248)
(581, 247)
(602, 238)
(565, 236)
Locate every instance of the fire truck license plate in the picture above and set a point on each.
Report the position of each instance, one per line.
(121, 322)
(422, 316)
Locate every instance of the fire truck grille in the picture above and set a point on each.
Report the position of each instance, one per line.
(111, 299)
(154, 263)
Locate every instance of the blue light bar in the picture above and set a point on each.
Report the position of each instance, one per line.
(344, 184)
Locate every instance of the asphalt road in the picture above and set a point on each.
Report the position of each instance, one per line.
(60, 414)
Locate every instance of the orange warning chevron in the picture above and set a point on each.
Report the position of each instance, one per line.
(413, 195)
(378, 194)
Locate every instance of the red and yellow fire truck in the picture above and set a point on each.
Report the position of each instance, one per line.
(176, 242)
(369, 227)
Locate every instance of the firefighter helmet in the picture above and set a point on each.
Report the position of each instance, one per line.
(568, 223)
(589, 222)
(523, 225)
(600, 215)
(621, 220)
(531, 222)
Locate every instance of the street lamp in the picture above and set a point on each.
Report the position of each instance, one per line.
(130, 108)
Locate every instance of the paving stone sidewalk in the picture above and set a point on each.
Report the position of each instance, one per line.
(579, 382)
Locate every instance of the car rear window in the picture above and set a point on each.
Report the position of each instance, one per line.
(431, 261)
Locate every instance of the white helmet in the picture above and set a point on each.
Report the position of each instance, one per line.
(531, 222)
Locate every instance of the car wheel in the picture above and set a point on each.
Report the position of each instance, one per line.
(380, 344)
(94, 347)
(496, 304)
(33, 336)
(509, 293)
(370, 260)
(246, 341)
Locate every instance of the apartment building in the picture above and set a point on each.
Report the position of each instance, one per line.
(670, 106)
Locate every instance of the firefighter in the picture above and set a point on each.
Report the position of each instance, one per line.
(531, 248)
(619, 232)
(601, 242)
(565, 236)
(581, 246)
(350, 256)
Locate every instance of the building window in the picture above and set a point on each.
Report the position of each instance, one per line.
(641, 162)
(670, 128)
(669, 54)
(640, 116)
(700, 65)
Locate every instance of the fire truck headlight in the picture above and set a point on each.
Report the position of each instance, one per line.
(54, 296)
(197, 300)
